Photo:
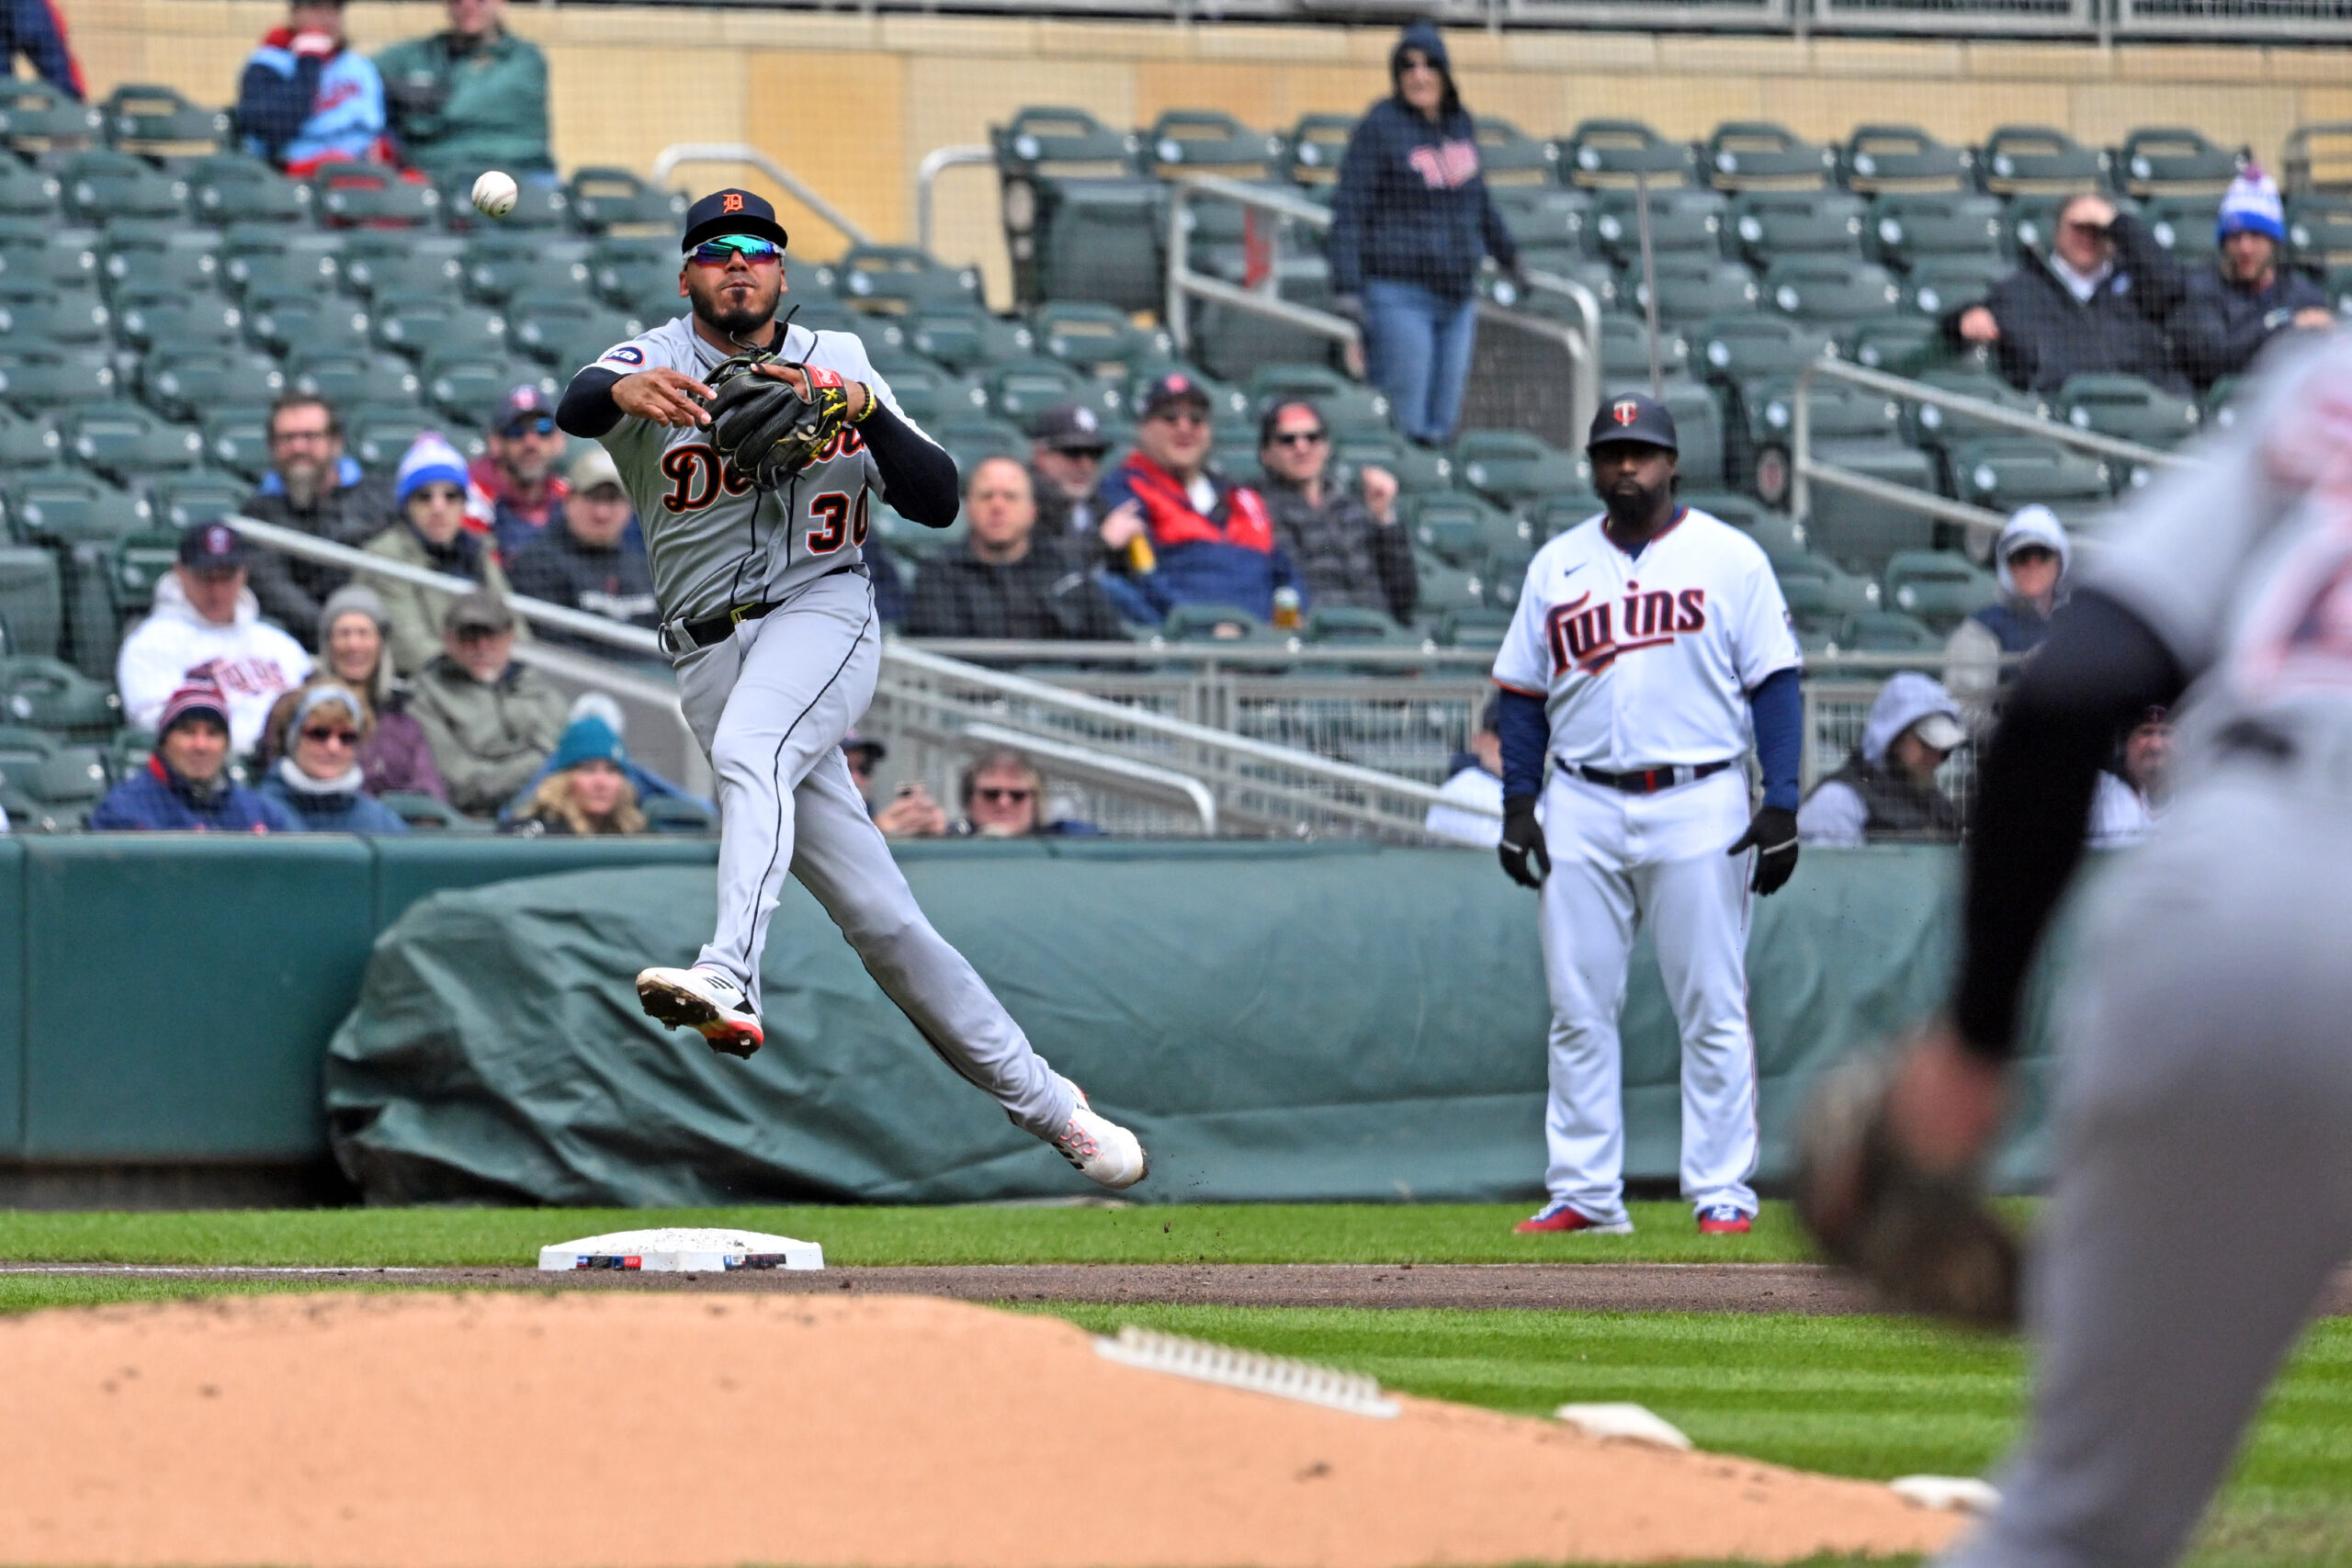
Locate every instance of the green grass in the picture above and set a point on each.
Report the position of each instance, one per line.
(1222, 1233)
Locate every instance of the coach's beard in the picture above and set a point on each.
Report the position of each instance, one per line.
(1631, 504)
(738, 322)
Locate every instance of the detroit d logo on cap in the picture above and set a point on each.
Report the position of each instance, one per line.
(1625, 412)
(731, 202)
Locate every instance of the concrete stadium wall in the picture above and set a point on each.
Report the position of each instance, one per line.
(853, 103)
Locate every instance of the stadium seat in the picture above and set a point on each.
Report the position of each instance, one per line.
(1556, 514)
(238, 441)
(1903, 228)
(1234, 344)
(1692, 288)
(901, 277)
(1933, 425)
(1937, 284)
(1611, 152)
(103, 184)
(27, 192)
(182, 501)
(1347, 406)
(1856, 530)
(50, 786)
(2128, 409)
(320, 322)
(2319, 227)
(1900, 157)
(2175, 161)
(1508, 155)
(1737, 348)
(1021, 391)
(1941, 588)
(1839, 413)
(1089, 337)
(1087, 239)
(32, 611)
(1513, 467)
(201, 321)
(35, 378)
(1899, 345)
(970, 437)
(606, 200)
(550, 328)
(1208, 141)
(965, 338)
(1461, 529)
(1594, 274)
(28, 442)
(144, 560)
(271, 257)
(2003, 473)
(1625, 352)
(1777, 533)
(61, 320)
(1416, 469)
(625, 274)
(157, 122)
(539, 208)
(1747, 154)
(57, 258)
(233, 188)
(37, 119)
(498, 263)
(2183, 225)
(468, 382)
(348, 196)
(379, 435)
(1544, 218)
(1827, 290)
(1213, 622)
(415, 324)
(65, 507)
(2020, 159)
(1819, 592)
(347, 377)
(123, 442)
(425, 273)
(187, 383)
(1768, 225)
(184, 260)
(1681, 220)
(1346, 624)
(1313, 148)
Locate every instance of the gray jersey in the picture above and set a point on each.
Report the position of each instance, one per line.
(714, 541)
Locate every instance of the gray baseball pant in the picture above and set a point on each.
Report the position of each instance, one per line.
(770, 706)
(2204, 1195)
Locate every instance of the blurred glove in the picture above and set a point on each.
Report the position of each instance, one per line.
(1525, 860)
(1773, 836)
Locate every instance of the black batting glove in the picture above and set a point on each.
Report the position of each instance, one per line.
(1773, 836)
(1525, 860)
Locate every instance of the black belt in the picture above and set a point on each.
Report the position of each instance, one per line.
(717, 628)
(1649, 781)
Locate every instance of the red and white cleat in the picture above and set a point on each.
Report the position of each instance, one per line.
(1105, 1152)
(1724, 1219)
(702, 999)
(1557, 1217)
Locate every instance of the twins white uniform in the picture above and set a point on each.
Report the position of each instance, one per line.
(770, 702)
(1643, 663)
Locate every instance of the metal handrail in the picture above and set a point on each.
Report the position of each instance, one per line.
(1208, 659)
(667, 161)
(1805, 470)
(935, 162)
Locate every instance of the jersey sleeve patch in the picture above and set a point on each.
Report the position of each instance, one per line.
(628, 353)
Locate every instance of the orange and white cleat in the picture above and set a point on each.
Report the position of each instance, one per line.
(702, 999)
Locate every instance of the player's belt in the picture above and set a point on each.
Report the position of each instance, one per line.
(1649, 781)
(720, 626)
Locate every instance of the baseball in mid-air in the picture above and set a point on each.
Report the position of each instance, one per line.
(495, 194)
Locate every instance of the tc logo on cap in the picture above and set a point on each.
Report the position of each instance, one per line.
(731, 202)
(219, 541)
(1625, 412)
(1084, 419)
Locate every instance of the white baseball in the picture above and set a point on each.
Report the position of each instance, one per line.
(495, 194)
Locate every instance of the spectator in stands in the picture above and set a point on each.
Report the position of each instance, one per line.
(1886, 791)
(317, 777)
(36, 29)
(308, 98)
(395, 758)
(1007, 582)
(649, 785)
(587, 792)
(2099, 299)
(1004, 797)
(593, 560)
(911, 814)
(2132, 787)
(311, 486)
(431, 533)
(512, 490)
(1410, 227)
(491, 721)
(1350, 551)
(1065, 466)
(1182, 533)
(1475, 782)
(2030, 559)
(471, 98)
(207, 627)
(2245, 298)
(185, 787)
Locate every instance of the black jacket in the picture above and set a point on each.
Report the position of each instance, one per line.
(1042, 596)
(616, 583)
(291, 591)
(1345, 557)
(1900, 811)
(2047, 335)
(2225, 324)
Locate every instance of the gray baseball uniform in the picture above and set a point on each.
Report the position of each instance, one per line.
(2204, 1199)
(770, 702)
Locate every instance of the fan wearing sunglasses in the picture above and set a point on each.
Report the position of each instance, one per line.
(767, 614)
(317, 732)
(1342, 536)
(516, 479)
(1004, 797)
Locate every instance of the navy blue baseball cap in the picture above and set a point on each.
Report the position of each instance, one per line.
(1631, 417)
(211, 546)
(731, 212)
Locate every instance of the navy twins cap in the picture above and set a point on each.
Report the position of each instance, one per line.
(731, 212)
(210, 546)
(1634, 418)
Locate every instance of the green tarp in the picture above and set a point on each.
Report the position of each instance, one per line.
(1310, 1022)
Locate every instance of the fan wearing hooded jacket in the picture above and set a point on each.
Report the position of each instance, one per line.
(2031, 558)
(1886, 791)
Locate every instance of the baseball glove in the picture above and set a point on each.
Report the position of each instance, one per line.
(1926, 1242)
(767, 430)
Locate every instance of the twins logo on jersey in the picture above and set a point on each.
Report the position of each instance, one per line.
(1589, 636)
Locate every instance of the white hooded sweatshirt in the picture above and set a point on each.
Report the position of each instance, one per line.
(252, 660)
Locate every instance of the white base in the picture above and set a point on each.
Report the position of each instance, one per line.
(675, 1250)
(1634, 1422)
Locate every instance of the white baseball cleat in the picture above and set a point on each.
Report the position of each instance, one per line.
(702, 999)
(1104, 1152)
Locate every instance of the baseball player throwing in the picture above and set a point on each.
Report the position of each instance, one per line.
(1651, 649)
(2202, 1197)
(750, 449)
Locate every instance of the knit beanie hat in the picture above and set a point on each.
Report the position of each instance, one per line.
(430, 460)
(354, 598)
(2251, 205)
(588, 740)
(196, 698)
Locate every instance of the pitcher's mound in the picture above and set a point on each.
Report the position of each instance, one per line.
(399, 1431)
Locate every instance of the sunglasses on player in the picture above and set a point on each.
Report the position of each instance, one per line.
(727, 247)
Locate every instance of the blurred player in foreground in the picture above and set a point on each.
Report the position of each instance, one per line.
(2203, 1197)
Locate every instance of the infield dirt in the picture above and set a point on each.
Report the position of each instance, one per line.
(495, 1429)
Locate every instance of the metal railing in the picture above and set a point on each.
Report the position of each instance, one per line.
(1580, 342)
(670, 159)
(935, 162)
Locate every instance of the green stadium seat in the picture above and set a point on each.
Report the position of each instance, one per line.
(188, 384)
(103, 184)
(1693, 289)
(349, 196)
(1776, 533)
(35, 378)
(1768, 225)
(628, 279)
(1939, 284)
(2319, 227)
(323, 322)
(2005, 473)
(1902, 157)
(186, 261)
(65, 507)
(59, 258)
(123, 442)
(262, 259)
(1213, 622)
(201, 321)
(32, 610)
(2128, 409)
(2183, 225)
(1093, 239)
(1737, 348)
(547, 328)
(1839, 413)
(347, 377)
(37, 119)
(50, 786)
(1462, 529)
(429, 814)
(28, 442)
(1886, 631)
(1899, 345)
(1682, 221)
(1314, 148)
(1700, 427)
(233, 188)
(1184, 140)
(468, 384)
(901, 277)
(417, 325)
(380, 435)
(605, 199)
(1544, 218)
(1554, 514)
(539, 208)
(1746, 153)
(2170, 160)
(76, 320)
(1828, 290)
(1625, 352)
(28, 192)
(930, 394)
(1931, 424)
(1902, 229)
(1345, 404)
(1513, 467)
(965, 338)
(1470, 626)
(157, 122)
(373, 277)
(1612, 152)
(1348, 624)
(1417, 469)
(1856, 529)
(1815, 586)
(2021, 159)
(1021, 391)
(1089, 337)
(145, 559)
(238, 441)
(182, 501)
(2218, 406)
(1508, 155)
(969, 438)
(1940, 588)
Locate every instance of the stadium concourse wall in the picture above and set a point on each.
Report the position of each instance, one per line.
(851, 103)
(1317, 1021)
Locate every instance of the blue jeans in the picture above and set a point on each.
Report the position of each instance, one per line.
(1416, 349)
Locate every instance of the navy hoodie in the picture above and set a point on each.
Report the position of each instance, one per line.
(1412, 207)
